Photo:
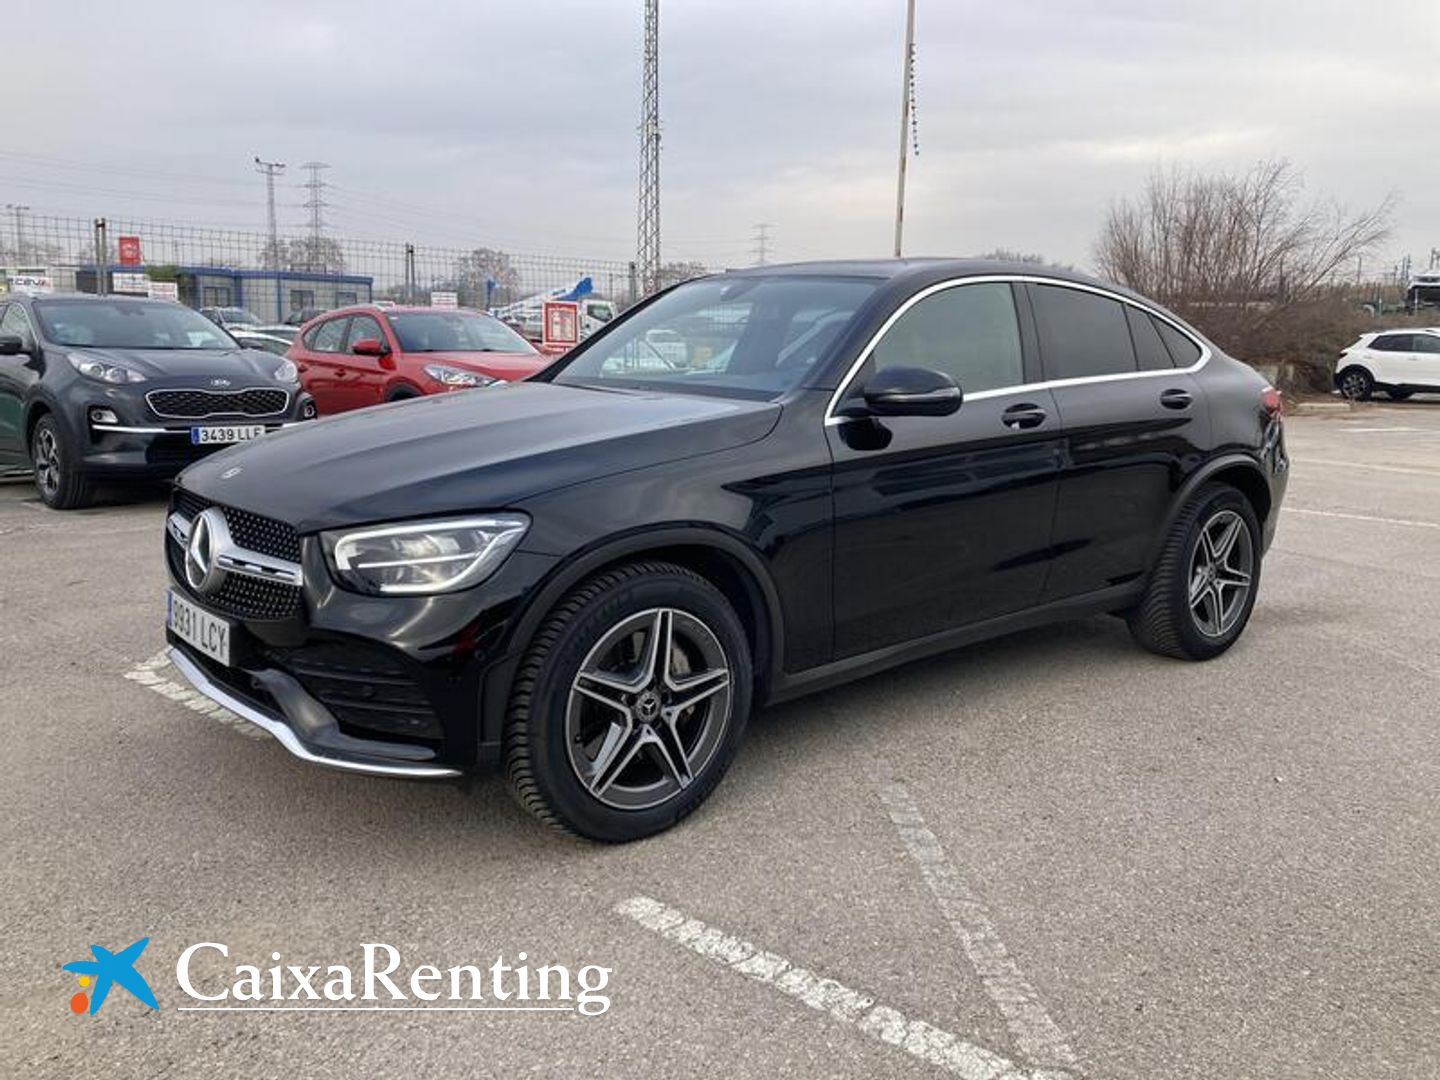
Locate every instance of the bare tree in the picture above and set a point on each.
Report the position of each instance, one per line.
(1237, 255)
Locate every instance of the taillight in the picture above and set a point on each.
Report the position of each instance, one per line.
(1272, 401)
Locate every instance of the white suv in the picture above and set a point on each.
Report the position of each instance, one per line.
(1399, 362)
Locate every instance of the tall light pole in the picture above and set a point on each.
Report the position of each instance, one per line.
(905, 90)
(647, 248)
(270, 170)
(19, 209)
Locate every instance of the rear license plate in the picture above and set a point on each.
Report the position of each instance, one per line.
(219, 434)
(208, 633)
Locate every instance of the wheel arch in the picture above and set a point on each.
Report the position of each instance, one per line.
(1238, 471)
(723, 559)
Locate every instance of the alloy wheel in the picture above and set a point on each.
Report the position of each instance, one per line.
(1222, 569)
(648, 708)
(1354, 385)
(47, 462)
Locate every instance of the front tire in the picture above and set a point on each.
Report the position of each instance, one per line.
(630, 703)
(59, 482)
(1356, 384)
(1203, 587)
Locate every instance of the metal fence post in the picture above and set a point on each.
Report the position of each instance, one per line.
(102, 259)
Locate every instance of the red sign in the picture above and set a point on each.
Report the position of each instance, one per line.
(129, 247)
(560, 324)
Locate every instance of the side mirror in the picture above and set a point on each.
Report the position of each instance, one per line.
(909, 391)
(369, 346)
(11, 344)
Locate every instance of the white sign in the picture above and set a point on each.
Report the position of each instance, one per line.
(32, 281)
(164, 290)
(444, 299)
(128, 282)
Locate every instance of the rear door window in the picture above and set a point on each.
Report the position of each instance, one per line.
(1150, 350)
(328, 336)
(1082, 334)
(1392, 343)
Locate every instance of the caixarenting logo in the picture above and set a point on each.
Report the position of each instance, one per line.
(377, 980)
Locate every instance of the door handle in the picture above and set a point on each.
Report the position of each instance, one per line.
(1023, 416)
(1176, 399)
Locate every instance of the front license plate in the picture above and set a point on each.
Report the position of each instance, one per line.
(208, 633)
(213, 434)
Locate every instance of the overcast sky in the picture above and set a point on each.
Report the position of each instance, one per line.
(512, 123)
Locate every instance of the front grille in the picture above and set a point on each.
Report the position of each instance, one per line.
(200, 404)
(368, 690)
(238, 595)
(176, 450)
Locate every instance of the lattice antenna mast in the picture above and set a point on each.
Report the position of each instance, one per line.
(647, 255)
(270, 170)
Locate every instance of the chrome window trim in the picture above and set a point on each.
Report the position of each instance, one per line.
(832, 420)
(207, 390)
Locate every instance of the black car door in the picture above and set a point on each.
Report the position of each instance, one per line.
(1135, 420)
(17, 372)
(943, 521)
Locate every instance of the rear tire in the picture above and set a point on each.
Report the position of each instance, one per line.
(612, 737)
(1203, 587)
(60, 484)
(1356, 384)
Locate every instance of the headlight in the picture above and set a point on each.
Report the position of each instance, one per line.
(454, 376)
(287, 372)
(101, 371)
(428, 557)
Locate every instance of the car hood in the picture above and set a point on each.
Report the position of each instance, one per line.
(243, 367)
(499, 365)
(485, 449)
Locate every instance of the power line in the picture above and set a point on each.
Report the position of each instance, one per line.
(270, 170)
(647, 248)
(761, 250)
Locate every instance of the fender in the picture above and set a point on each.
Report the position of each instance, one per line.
(576, 568)
(1192, 484)
(42, 400)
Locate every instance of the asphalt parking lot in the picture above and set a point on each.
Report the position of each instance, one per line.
(1053, 853)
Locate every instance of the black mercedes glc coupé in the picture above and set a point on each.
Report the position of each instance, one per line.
(751, 486)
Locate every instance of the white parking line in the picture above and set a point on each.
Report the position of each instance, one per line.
(880, 1022)
(1038, 1036)
(1362, 517)
(154, 674)
(1401, 469)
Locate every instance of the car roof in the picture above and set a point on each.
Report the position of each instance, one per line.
(73, 297)
(921, 266)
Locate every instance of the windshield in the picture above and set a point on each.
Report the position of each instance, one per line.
(752, 337)
(454, 331)
(128, 324)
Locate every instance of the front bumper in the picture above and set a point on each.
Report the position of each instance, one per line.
(392, 686)
(152, 450)
(306, 728)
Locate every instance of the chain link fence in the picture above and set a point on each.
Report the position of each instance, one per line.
(224, 267)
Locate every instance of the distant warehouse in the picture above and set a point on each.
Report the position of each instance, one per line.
(270, 294)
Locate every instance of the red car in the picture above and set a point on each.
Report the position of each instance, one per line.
(358, 356)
